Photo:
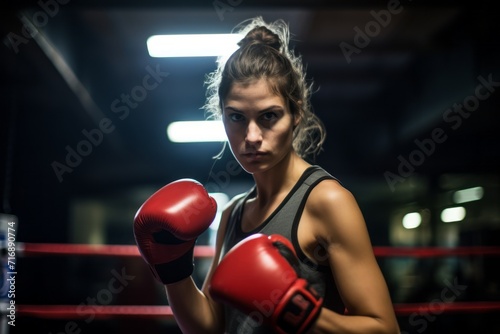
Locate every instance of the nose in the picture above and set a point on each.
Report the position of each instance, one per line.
(253, 133)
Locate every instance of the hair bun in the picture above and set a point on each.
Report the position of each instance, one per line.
(261, 35)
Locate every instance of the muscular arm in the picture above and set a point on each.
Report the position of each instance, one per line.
(194, 309)
(341, 227)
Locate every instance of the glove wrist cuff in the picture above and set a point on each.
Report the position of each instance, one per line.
(176, 270)
(299, 310)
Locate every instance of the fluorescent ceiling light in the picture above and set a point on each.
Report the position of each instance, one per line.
(412, 220)
(453, 214)
(193, 45)
(468, 195)
(196, 131)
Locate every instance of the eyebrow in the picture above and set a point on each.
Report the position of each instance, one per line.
(270, 108)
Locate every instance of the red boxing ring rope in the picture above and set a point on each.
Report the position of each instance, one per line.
(30, 249)
(155, 311)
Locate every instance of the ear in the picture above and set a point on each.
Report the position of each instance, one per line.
(298, 116)
(296, 120)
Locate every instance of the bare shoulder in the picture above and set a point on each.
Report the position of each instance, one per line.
(335, 212)
(326, 194)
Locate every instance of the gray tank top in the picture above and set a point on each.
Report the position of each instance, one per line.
(284, 221)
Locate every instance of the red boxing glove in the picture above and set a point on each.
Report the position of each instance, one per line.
(166, 227)
(261, 274)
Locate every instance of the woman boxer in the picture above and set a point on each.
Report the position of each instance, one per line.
(262, 97)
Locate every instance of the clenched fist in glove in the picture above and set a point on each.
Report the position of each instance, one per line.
(166, 227)
(261, 274)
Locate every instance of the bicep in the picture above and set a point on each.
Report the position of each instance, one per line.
(351, 259)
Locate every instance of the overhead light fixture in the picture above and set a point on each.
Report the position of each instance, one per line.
(196, 131)
(451, 215)
(193, 45)
(468, 195)
(412, 220)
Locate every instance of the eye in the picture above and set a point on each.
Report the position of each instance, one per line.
(269, 116)
(235, 117)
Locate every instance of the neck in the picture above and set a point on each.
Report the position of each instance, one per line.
(279, 179)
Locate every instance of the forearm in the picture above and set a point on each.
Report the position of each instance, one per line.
(331, 322)
(193, 310)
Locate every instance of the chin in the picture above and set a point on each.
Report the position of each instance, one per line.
(250, 169)
(256, 167)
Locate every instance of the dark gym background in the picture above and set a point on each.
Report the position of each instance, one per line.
(396, 138)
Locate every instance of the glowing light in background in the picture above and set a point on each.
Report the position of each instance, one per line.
(450, 215)
(193, 45)
(196, 131)
(222, 199)
(412, 220)
(468, 195)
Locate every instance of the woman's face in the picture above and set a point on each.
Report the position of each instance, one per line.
(259, 125)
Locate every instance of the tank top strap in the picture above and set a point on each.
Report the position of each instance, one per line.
(288, 214)
(284, 219)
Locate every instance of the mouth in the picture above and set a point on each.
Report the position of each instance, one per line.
(254, 155)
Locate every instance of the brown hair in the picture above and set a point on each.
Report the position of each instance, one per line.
(264, 53)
